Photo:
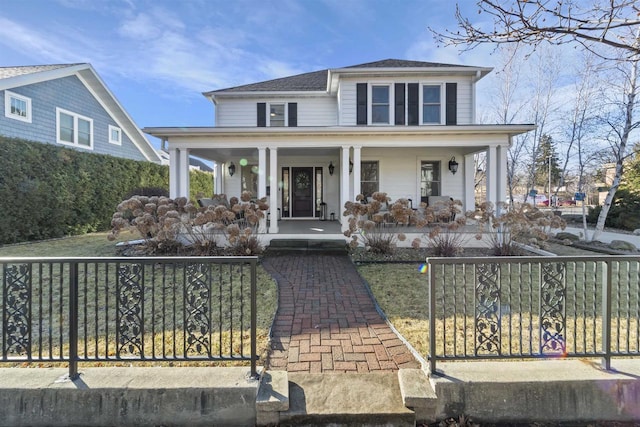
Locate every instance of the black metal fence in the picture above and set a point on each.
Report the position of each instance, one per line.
(534, 307)
(128, 309)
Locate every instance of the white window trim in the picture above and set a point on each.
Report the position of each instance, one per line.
(419, 178)
(119, 140)
(76, 116)
(7, 106)
(370, 103)
(286, 113)
(443, 96)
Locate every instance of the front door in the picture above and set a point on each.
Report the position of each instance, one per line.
(302, 186)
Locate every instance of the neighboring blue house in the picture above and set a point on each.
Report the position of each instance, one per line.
(69, 105)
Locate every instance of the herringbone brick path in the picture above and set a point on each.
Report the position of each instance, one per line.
(327, 321)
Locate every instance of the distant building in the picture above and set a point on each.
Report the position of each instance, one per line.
(69, 105)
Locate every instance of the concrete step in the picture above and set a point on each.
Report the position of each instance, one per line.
(344, 399)
(315, 245)
(418, 394)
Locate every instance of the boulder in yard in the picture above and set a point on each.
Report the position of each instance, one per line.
(567, 236)
(622, 245)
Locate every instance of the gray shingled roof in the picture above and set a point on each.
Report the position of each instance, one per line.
(401, 63)
(7, 72)
(317, 80)
(314, 81)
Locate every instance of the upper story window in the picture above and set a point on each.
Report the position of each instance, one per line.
(17, 106)
(276, 115)
(74, 129)
(280, 114)
(380, 104)
(431, 104)
(115, 135)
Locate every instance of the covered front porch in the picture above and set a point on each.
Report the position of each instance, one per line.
(308, 174)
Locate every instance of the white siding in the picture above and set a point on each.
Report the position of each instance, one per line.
(236, 113)
(320, 111)
(399, 171)
(317, 111)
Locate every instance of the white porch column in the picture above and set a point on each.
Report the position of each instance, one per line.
(174, 172)
(492, 175)
(183, 186)
(469, 183)
(501, 184)
(273, 184)
(218, 184)
(344, 185)
(356, 171)
(262, 173)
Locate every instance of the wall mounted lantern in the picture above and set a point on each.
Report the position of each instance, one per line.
(331, 168)
(350, 166)
(453, 165)
(232, 169)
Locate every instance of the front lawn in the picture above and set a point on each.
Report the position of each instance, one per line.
(97, 245)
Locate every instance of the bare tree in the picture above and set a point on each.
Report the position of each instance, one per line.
(620, 130)
(532, 22)
(580, 126)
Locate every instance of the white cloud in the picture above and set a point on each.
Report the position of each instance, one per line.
(41, 46)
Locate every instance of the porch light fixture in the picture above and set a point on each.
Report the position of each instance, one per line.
(350, 166)
(331, 168)
(232, 169)
(453, 165)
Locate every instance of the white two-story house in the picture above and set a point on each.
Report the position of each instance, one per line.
(314, 141)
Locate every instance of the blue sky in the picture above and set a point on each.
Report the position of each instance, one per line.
(158, 56)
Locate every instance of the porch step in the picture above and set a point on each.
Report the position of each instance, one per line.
(345, 399)
(294, 245)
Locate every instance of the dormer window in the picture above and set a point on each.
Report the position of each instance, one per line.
(380, 105)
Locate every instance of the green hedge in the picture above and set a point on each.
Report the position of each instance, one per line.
(49, 191)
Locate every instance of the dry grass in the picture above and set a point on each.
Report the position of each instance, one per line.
(402, 292)
(98, 306)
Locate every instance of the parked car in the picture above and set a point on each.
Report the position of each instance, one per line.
(566, 202)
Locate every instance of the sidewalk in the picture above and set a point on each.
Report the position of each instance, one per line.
(327, 321)
(606, 236)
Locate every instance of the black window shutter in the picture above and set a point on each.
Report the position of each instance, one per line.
(293, 114)
(413, 110)
(452, 104)
(262, 114)
(361, 103)
(399, 97)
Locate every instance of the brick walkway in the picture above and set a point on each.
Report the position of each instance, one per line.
(326, 321)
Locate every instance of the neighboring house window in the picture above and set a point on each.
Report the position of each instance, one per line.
(431, 104)
(74, 129)
(369, 178)
(429, 180)
(115, 135)
(17, 106)
(380, 104)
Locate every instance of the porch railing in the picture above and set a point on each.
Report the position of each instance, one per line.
(534, 307)
(128, 309)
